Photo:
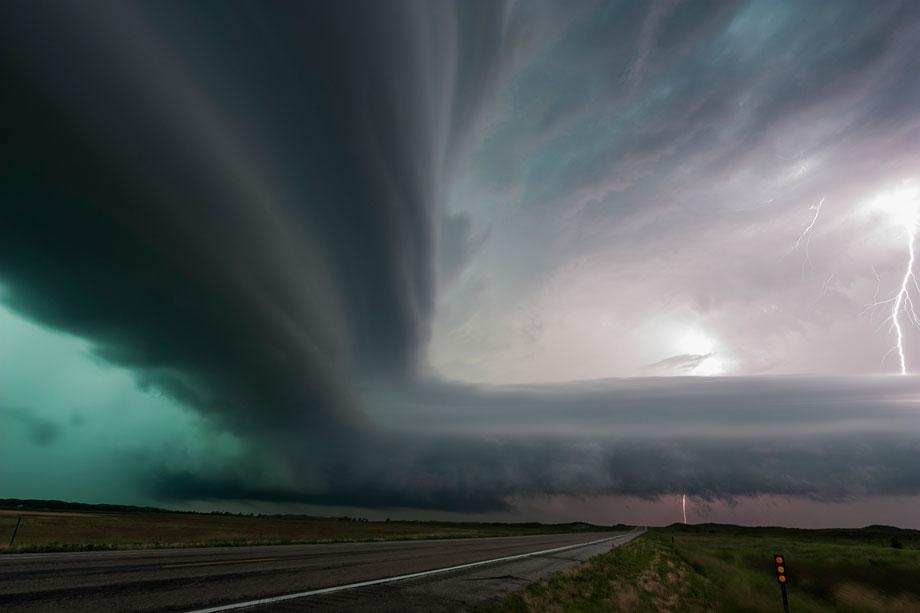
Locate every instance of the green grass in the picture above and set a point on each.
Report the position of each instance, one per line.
(728, 568)
(84, 530)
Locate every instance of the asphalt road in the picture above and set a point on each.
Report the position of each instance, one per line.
(192, 579)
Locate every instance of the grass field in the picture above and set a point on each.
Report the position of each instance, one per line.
(62, 530)
(728, 568)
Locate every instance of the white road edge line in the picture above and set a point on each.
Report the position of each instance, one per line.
(351, 586)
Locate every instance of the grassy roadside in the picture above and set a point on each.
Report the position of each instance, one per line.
(728, 568)
(55, 530)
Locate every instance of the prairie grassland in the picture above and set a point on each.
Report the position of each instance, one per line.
(83, 531)
(728, 568)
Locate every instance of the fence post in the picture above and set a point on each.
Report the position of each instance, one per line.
(15, 530)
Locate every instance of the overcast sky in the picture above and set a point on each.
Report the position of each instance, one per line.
(525, 260)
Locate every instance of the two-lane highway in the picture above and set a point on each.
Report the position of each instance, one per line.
(293, 577)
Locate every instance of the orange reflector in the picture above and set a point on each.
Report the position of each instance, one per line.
(780, 569)
(782, 578)
(779, 559)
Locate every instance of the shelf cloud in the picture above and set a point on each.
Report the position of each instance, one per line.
(426, 256)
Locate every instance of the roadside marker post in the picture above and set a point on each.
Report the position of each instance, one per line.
(779, 563)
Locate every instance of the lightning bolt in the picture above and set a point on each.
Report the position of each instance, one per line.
(902, 300)
(902, 303)
(805, 236)
(683, 504)
(901, 207)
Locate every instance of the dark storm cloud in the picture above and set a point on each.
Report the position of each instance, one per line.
(478, 495)
(664, 407)
(487, 473)
(243, 203)
(234, 200)
(468, 448)
(823, 438)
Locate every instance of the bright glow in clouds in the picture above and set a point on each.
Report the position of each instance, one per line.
(901, 207)
(696, 343)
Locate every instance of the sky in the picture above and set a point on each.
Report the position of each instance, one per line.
(463, 260)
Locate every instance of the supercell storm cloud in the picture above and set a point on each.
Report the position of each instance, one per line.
(458, 255)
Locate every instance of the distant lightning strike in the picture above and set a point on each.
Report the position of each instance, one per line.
(683, 504)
